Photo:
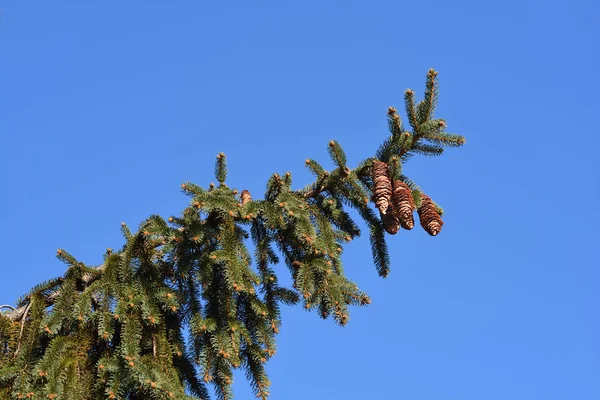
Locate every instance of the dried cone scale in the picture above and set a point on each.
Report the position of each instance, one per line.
(382, 186)
(429, 217)
(403, 204)
(245, 196)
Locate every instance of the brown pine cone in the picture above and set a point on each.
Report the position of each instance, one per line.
(390, 220)
(429, 217)
(382, 186)
(245, 196)
(403, 204)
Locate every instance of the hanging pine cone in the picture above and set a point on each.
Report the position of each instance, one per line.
(245, 196)
(403, 204)
(429, 217)
(382, 186)
(390, 220)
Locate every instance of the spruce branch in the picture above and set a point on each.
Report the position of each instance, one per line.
(409, 101)
(221, 168)
(337, 154)
(195, 273)
(426, 107)
(446, 139)
(430, 150)
(394, 122)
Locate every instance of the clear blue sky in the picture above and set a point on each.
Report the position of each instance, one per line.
(107, 106)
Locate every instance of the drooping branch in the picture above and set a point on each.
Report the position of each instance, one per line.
(141, 300)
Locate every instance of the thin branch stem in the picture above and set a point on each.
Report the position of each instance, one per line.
(22, 328)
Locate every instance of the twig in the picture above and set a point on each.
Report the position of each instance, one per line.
(7, 306)
(22, 327)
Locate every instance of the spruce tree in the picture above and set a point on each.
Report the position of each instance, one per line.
(184, 302)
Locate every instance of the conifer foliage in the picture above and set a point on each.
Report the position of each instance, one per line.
(185, 302)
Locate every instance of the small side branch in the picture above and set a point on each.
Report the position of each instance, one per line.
(22, 328)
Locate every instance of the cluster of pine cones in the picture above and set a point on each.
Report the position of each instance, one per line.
(396, 205)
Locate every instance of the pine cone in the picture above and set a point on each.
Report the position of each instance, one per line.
(390, 220)
(430, 219)
(382, 186)
(403, 204)
(245, 196)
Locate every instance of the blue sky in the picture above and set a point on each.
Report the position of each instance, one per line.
(107, 107)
